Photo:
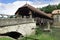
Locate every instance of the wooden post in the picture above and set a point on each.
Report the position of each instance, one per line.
(30, 16)
(30, 13)
(25, 17)
(48, 25)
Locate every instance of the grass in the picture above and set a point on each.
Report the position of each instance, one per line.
(39, 37)
(4, 38)
(45, 37)
(56, 33)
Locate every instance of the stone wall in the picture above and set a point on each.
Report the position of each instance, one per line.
(24, 29)
(23, 26)
(15, 21)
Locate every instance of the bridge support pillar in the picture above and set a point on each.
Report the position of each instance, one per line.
(48, 27)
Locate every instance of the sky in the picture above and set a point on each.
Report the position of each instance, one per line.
(9, 7)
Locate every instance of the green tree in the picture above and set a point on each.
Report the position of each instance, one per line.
(58, 7)
(49, 8)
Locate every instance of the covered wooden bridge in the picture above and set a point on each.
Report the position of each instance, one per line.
(41, 18)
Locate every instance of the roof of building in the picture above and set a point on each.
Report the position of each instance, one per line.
(50, 15)
(56, 11)
(35, 10)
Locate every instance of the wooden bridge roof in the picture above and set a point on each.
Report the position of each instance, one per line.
(35, 10)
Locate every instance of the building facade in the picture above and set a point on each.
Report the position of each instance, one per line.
(56, 16)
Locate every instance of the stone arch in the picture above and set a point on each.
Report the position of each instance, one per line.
(12, 34)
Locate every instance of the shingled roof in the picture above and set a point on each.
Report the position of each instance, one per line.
(35, 10)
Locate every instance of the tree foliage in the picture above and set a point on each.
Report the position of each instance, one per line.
(58, 7)
(50, 8)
